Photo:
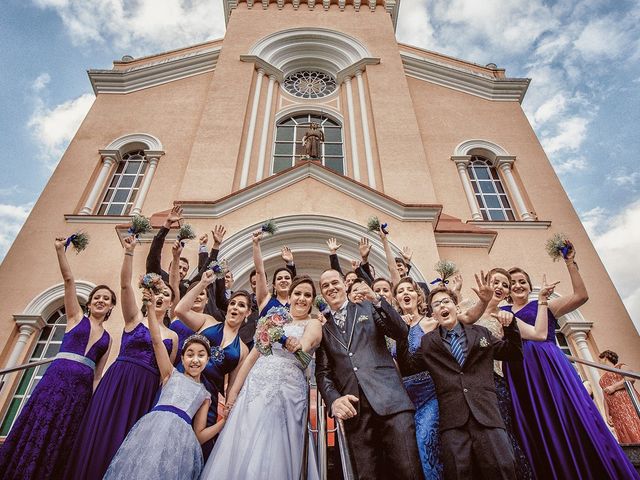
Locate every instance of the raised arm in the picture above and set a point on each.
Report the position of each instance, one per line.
(384, 315)
(165, 365)
(391, 262)
(194, 320)
(334, 246)
(71, 305)
(153, 263)
(484, 293)
(262, 292)
(287, 256)
(563, 305)
(364, 270)
(130, 309)
(174, 275)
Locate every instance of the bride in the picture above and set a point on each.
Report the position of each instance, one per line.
(265, 430)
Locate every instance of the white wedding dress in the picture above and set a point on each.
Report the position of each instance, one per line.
(264, 434)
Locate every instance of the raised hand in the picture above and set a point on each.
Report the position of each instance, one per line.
(59, 243)
(504, 317)
(208, 277)
(455, 284)
(546, 290)
(130, 243)
(365, 248)
(333, 245)
(148, 298)
(286, 254)
(571, 254)
(355, 264)
(176, 250)
(256, 236)
(204, 239)
(361, 291)
(484, 291)
(218, 234)
(343, 408)
(175, 215)
(406, 253)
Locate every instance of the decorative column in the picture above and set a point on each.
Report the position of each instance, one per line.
(578, 332)
(462, 164)
(28, 325)
(352, 130)
(265, 129)
(109, 157)
(505, 164)
(252, 128)
(365, 130)
(152, 157)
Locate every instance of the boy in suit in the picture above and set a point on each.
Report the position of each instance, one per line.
(460, 360)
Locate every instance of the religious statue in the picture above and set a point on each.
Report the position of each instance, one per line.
(311, 141)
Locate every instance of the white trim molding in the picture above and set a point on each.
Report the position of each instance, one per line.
(121, 81)
(139, 140)
(465, 240)
(48, 301)
(464, 80)
(499, 225)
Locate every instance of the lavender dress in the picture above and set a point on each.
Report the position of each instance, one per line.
(126, 392)
(39, 444)
(560, 429)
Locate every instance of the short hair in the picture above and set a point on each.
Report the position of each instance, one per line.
(194, 285)
(422, 301)
(610, 355)
(401, 260)
(184, 259)
(252, 274)
(300, 280)
(102, 287)
(434, 292)
(340, 275)
(349, 273)
(382, 279)
(355, 282)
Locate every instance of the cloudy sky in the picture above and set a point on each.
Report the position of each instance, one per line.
(583, 102)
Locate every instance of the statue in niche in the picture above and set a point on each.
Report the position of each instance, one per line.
(311, 141)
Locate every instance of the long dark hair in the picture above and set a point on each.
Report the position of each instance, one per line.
(273, 279)
(300, 280)
(114, 300)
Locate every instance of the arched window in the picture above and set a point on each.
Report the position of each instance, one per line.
(288, 147)
(488, 189)
(123, 188)
(47, 346)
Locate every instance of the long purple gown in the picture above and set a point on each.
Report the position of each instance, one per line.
(126, 392)
(561, 430)
(39, 444)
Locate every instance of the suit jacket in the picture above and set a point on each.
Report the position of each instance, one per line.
(154, 258)
(361, 361)
(470, 389)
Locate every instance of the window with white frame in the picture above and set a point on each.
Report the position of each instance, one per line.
(47, 346)
(121, 192)
(288, 148)
(488, 190)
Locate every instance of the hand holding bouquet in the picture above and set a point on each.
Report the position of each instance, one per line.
(270, 329)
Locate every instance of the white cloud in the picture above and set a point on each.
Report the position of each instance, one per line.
(53, 128)
(41, 82)
(140, 27)
(570, 134)
(10, 190)
(624, 178)
(11, 217)
(616, 239)
(571, 165)
(602, 38)
(552, 108)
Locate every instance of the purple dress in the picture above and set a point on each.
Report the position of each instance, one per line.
(561, 430)
(39, 444)
(126, 392)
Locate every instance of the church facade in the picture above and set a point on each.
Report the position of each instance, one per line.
(437, 147)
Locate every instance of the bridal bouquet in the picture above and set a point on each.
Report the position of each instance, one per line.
(558, 246)
(270, 329)
(79, 241)
(151, 281)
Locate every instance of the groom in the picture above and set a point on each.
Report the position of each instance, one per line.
(360, 384)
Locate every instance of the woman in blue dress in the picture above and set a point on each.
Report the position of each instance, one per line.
(282, 277)
(163, 444)
(130, 385)
(227, 350)
(41, 440)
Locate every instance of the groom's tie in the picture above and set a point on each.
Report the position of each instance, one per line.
(340, 319)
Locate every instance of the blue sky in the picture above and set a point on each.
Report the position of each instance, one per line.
(583, 102)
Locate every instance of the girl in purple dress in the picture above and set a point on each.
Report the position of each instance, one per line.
(130, 385)
(560, 429)
(40, 442)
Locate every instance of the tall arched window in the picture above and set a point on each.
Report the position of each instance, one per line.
(488, 189)
(123, 188)
(288, 145)
(47, 346)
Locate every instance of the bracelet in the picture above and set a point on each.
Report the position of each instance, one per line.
(129, 253)
(545, 303)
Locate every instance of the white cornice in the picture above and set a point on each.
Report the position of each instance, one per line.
(358, 191)
(526, 225)
(464, 239)
(489, 88)
(153, 74)
(114, 219)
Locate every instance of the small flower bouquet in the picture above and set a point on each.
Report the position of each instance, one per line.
(446, 269)
(186, 233)
(218, 268)
(269, 227)
(558, 246)
(321, 305)
(270, 329)
(373, 225)
(79, 241)
(139, 225)
(151, 281)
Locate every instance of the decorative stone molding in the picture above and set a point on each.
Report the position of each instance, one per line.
(139, 141)
(524, 225)
(47, 302)
(465, 240)
(118, 81)
(489, 149)
(455, 78)
(462, 165)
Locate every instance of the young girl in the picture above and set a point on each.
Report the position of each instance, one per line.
(41, 440)
(129, 387)
(149, 451)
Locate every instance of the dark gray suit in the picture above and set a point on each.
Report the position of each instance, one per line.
(358, 362)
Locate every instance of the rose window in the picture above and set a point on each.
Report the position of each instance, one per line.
(309, 84)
